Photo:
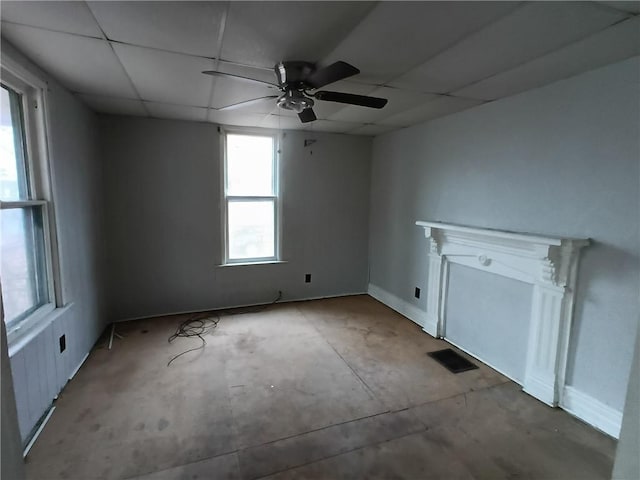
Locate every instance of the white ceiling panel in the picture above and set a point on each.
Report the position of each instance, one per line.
(331, 126)
(399, 100)
(176, 112)
(167, 77)
(116, 106)
(531, 31)
(611, 45)
(631, 7)
(264, 33)
(185, 27)
(81, 64)
(231, 117)
(397, 36)
(70, 17)
(280, 122)
(372, 130)
(439, 107)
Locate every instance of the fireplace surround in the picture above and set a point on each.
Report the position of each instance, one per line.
(548, 263)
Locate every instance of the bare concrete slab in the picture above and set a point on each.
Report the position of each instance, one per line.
(336, 388)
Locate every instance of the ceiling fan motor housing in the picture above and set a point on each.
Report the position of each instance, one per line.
(295, 100)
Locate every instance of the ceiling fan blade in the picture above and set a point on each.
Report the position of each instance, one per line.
(307, 115)
(247, 102)
(361, 100)
(332, 73)
(239, 77)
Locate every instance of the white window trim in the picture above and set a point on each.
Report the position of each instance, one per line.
(277, 198)
(34, 90)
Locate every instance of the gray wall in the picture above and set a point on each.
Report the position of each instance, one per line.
(163, 225)
(39, 369)
(561, 160)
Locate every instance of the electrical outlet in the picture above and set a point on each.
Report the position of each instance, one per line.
(63, 343)
(307, 278)
(417, 293)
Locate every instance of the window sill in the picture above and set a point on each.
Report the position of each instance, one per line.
(246, 264)
(32, 327)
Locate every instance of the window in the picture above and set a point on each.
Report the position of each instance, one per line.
(251, 198)
(25, 240)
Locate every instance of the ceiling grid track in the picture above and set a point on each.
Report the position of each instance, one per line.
(216, 59)
(533, 59)
(108, 42)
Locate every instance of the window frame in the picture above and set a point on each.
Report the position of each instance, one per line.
(276, 197)
(33, 91)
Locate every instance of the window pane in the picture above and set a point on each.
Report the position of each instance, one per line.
(13, 172)
(249, 165)
(251, 233)
(22, 262)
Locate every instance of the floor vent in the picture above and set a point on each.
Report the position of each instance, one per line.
(452, 361)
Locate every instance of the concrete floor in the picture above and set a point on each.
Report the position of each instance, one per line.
(336, 388)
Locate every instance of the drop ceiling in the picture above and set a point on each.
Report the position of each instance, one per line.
(430, 59)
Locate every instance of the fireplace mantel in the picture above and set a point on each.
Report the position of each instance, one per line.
(548, 263)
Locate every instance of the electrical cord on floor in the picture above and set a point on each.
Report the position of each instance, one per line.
(203, 323)
(196, 326)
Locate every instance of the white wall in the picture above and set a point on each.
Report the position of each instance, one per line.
(561, 160)
(39, 369)
(163, 225)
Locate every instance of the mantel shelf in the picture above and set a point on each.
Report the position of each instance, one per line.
(504, 234)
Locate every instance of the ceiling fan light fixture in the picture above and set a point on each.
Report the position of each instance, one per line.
(295, 100)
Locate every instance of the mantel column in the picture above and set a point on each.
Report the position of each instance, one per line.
(433, 322)
(541, 371)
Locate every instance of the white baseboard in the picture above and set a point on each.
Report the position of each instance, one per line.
(592, 411)
(233, 307)
(403, 307)
(73, 374)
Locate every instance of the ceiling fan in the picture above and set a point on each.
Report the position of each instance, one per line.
(299, 83)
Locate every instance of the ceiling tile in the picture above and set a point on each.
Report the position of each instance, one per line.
(372, 130)
(167, 77)
(116, 106)
(531, 31)
(265, 33)
(631, 7)
(397, 36)
(399, 100)
(234, 118)
(81, 64)
(70, 17)
(280, 122)
(185, 27)
(439, 107)
(331, 126)
(176, 112)
(611, 45)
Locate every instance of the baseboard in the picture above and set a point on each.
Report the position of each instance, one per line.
(403, 307)
(233, 307)
(592, 411)
(73, 374)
